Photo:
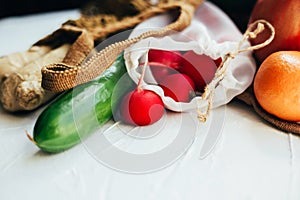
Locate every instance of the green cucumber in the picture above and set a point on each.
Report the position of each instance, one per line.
(78, 112)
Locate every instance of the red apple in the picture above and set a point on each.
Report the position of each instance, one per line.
(284, 15)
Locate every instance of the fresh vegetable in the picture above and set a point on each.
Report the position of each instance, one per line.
(276, 85)
(285, 17)
(161, 71)
(179, 77)
(15, 61)
(142, 107)
(172, 59)
(179, 87)
(218, 61)
(200, 68)
(22, 90)
(71, 117)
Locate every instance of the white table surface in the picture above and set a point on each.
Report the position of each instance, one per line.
(251, 161)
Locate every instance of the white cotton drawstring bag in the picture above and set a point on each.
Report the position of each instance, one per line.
(211, 33)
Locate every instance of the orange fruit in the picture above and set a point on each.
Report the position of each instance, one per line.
(277, 85)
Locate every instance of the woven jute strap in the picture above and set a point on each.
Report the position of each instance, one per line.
(63, 76)
(287, 126)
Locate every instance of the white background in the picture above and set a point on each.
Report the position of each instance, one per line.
(251, 160)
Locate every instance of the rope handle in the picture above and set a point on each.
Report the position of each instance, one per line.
(61, 76)
(253, 30)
